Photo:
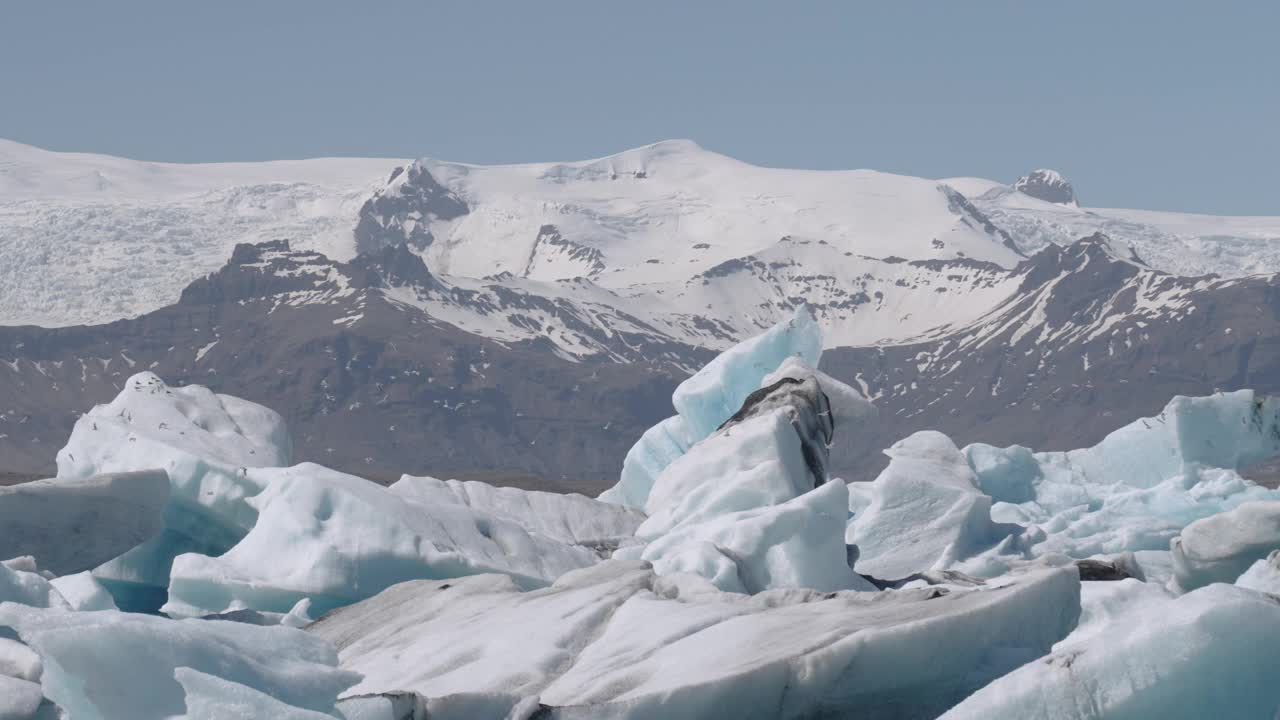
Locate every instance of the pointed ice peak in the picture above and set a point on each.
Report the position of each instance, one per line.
(1047, 185)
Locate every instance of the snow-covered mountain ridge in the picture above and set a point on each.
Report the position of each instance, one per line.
(671, 228)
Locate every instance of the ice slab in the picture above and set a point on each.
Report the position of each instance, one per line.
(572, 519)
(798, 544)
(1139, 487)
(27, 587)
(1263, 575)
(1210, 653)
(82, 591)
(926, 512)
(19, 699)
(715, 392)
(209, 697)
(336, 539)
(708, 398)
(617, 641)
(1221, 548)
(70, 525)
(109, 664)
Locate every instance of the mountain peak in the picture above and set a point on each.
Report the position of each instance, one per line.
(1047, 185)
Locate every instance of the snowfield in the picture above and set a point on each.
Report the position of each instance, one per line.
(726, 575)
(666, 230)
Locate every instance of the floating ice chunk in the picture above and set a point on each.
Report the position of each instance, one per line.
(1220, 548)
(1263, 575)
(209, 697)
(392, 706)
(207, 443)
(19, 661)
(19, 699)
(74, 525)
(715, 392)
(121, 665)
(740, 508)
(660, 446)
(1227, 430)
(1139, 487)
(571, 519)
(708, 398)
(337, 539)
(1210, 653)
(926, 512)
(753, 464)
(28, 588)
(616, 641)
(83, 592)
(799, 544)
(1006, 474)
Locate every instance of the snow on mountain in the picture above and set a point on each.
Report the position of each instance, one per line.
(90, 238)
(666, 210)
(1178, 243)
(669, 238)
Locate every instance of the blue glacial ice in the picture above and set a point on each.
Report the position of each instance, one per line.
(206, 442)
(708, 398)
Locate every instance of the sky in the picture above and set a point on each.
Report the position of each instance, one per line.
(1165, 105)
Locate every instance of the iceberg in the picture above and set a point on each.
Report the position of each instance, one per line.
(926, 513)
(1137, 489)
(73, 525)
(1263, 575)
(572, 519)
(21, 583)
(333, 539)
(617, 640)
(1209, 653)
(206, 443)
(750, 507)
(708, 398)
(209, 697)
(109, 664)
(797, 544)
(20, 699)
(1222, 547)
(82, 591)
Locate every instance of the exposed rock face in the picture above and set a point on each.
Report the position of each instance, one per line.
(368, 364)
(399, 212)
(1090, 342)
(1047, 185)
(367, 378)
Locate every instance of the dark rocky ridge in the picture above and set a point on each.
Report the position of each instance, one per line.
(394, 392)
(401, 391)
(1046, 185)
(1090, 343)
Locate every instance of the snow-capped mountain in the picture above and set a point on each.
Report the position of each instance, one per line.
(658, 213)
(1179, 243)
(382, 366)
(1089, 340)
(92, 238)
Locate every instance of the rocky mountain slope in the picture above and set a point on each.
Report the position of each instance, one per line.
(368, 382)
(382, 366)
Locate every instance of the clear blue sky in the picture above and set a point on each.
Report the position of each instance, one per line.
(1163, 105)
